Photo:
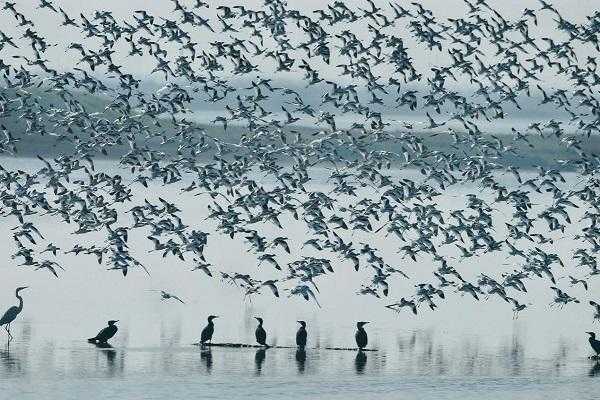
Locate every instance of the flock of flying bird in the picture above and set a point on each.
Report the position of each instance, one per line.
(258, 165)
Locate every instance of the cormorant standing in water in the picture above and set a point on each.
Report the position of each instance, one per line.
(301, 335)
(594, 343)
(260, 333)
(105, 334)
(207, 332)
(361, 335)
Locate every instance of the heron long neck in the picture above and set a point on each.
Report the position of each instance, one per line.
(20, 306)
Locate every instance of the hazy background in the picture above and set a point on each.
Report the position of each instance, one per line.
(466, 349)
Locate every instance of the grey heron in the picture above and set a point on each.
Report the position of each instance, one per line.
(11, 314)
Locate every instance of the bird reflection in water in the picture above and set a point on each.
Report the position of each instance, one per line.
(301, 360)
(595, 370)
(206, 357)
(360, 362)
(10, 363)
(111, 358)
(259, 359)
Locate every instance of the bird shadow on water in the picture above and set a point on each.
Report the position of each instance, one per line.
(259, 359)
(360, 362)
(301, 360)
(207, 359)
(15, 349)
(114, 367)
(595, 370)
(10, 363)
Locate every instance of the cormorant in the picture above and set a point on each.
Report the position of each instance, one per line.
(260, 333)
(594, 343)
(11, 314)
(208, 330)
(301, 335)
(361, 335)
(105, 334)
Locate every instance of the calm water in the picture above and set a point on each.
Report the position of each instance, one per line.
(464, 350)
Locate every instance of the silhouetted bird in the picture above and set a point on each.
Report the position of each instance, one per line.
(301, 335)
(105, 334)
(207, 332)
(361, 335)
(260, 333)
(11, 314)
(594, 343)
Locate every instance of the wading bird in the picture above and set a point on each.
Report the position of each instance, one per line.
(11, 314)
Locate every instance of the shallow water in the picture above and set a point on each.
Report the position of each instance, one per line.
(464, 350)
(417, 367)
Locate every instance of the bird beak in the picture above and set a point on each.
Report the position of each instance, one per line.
(590, 333)
(116, 321)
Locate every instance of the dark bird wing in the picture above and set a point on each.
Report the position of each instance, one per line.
(206, 334)
(106, 333)
(9, 316)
